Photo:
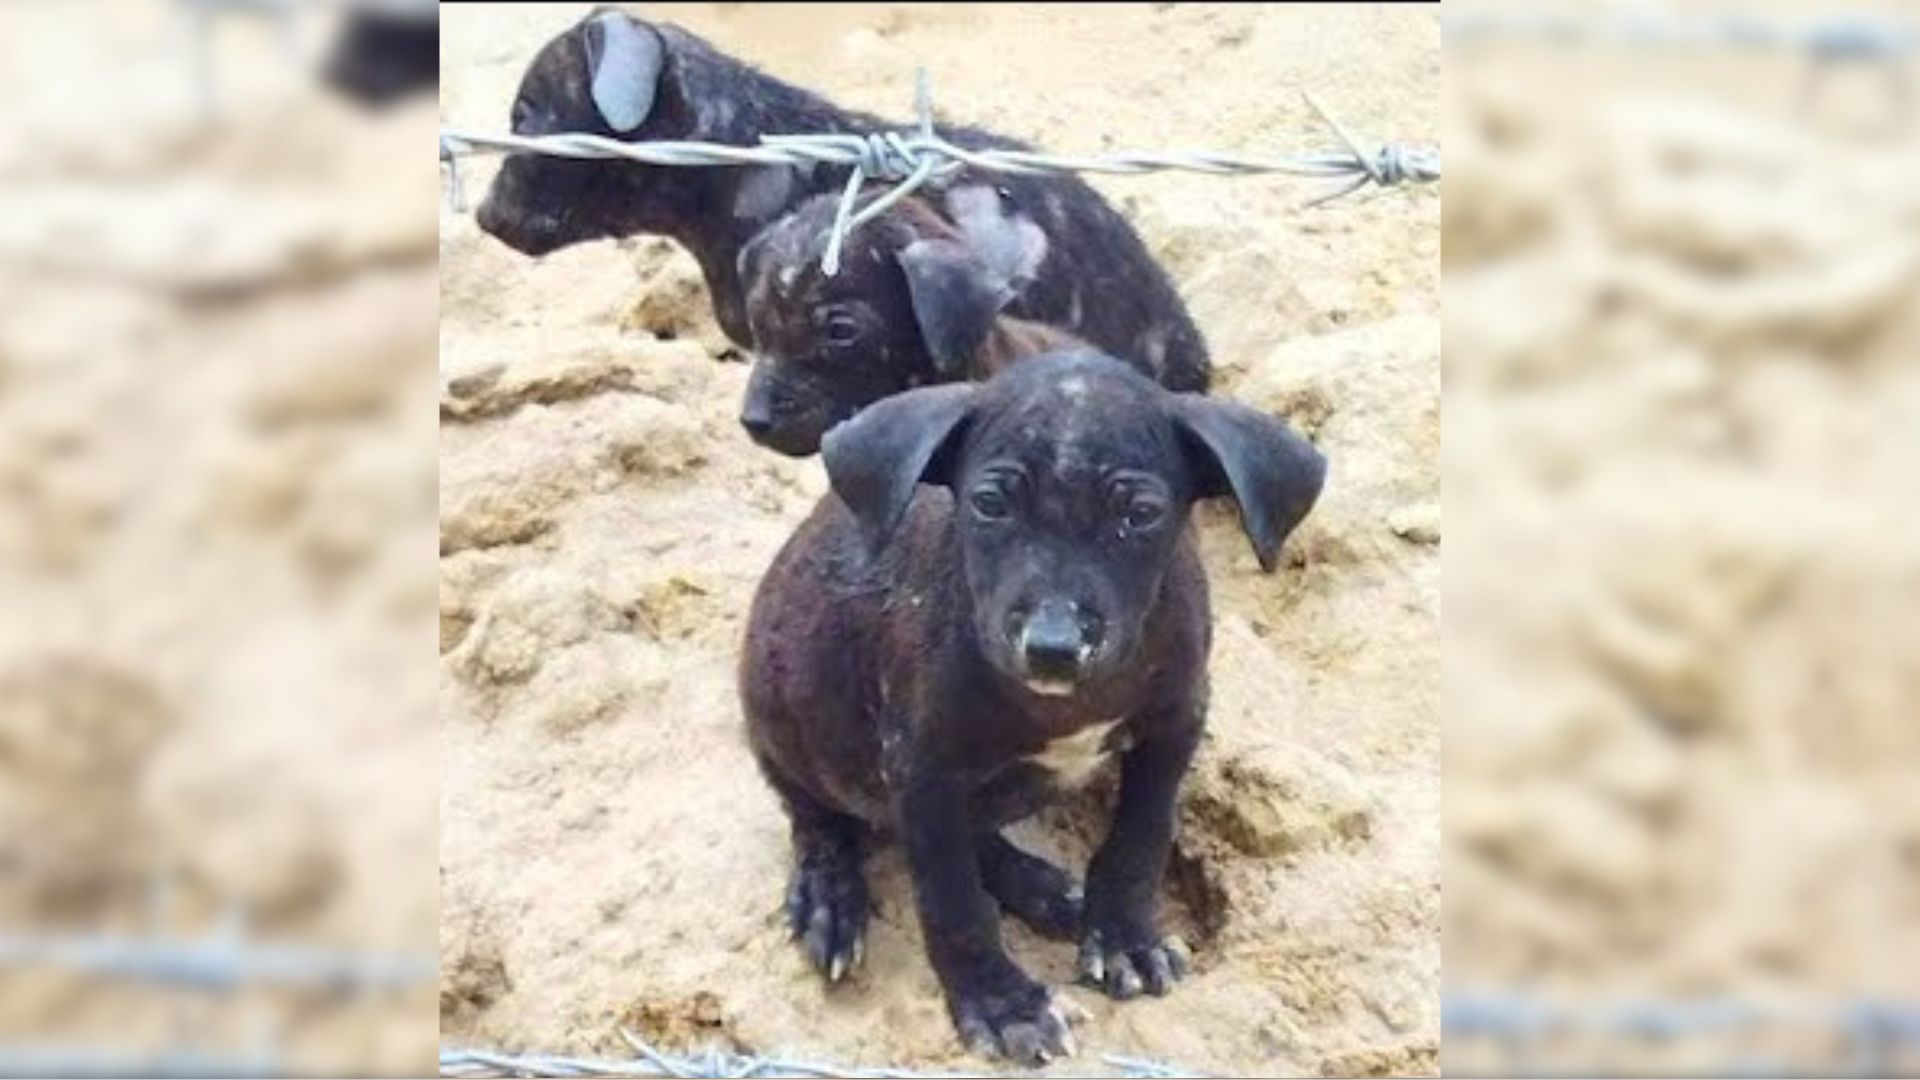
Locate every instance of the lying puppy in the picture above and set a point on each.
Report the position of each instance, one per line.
(620, 77)
(1000, 590)
(917, 301)
(381, 56)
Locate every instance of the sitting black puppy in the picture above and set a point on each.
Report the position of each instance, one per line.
(620, 77)
(383, 55)
(1001, 590)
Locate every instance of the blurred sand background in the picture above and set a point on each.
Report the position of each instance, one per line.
(216, 508)
(610, 859)
(1683, 590)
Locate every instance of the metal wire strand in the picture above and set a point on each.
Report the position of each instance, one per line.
(713, 1063)
(908, 160)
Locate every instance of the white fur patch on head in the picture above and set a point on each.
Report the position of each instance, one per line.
(1011, 246)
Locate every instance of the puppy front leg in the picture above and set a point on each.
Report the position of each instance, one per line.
(996, 1006)
(1121, 950)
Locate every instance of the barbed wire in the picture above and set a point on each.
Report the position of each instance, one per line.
(714, 1063)
(1871, 1031)
(221, 960)
(909, 159)
(1830, 36)
(218, 962)
(83, 1061)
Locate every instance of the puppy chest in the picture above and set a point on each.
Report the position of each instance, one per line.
(1071, 760)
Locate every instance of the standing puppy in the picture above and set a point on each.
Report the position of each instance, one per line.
(1000, 590)
(620, 77)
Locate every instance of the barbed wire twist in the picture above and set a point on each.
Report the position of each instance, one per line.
(909, 159)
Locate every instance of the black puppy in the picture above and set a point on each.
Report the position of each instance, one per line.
(382, 56)
(1001, 590)
(918, 300)
(620, 77)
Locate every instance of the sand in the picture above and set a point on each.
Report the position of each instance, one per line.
(1681, 691)
(216, 513)
(609, 857)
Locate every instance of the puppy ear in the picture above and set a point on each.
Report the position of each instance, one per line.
(955, 300)
(624, 59)
(1272, 473)
(876, 460)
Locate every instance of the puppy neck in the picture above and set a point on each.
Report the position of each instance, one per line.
(1012, 340)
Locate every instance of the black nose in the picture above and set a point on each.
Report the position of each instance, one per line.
(758, 420)
(1054, 640)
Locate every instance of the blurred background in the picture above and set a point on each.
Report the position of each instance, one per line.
(217, 335)
(1682, 398)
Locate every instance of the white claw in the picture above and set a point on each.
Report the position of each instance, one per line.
(1095, 967)
(1066, 1031)
(1178, 955)
(837, 968)
(859, 951)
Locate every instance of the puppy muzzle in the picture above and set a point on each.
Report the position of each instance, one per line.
(1053, 644)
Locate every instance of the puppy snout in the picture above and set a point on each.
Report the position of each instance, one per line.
(501, 216)
(1054, 640)
(757, 418)
(490, 218)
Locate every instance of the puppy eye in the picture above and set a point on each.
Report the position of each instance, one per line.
(990, 504)
(522, 113)
(1143, 514)
(841, 329)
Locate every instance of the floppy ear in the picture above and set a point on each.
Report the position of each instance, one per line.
(875, 460)
(624, 58)
(955, 300)
(1271, 472)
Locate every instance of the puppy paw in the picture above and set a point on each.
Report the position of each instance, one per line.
(1012, 1016)
(1123, 963)
(1034, 891)
(827, 910)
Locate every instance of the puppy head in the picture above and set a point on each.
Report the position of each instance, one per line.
(380, 58)
(1073, 477)
(914, 301)
(603, 76)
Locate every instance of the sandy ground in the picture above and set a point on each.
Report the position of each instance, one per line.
(216, 505)
(611, 859)
(1683, 591)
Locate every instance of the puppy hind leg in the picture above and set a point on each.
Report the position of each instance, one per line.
(1030, 888)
